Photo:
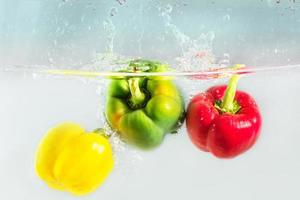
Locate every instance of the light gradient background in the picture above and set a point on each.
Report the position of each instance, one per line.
(66, 33)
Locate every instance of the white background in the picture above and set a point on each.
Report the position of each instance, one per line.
(176, 170)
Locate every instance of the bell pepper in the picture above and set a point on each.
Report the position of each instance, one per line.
(70, 159)
(143, 109)
(223, 121)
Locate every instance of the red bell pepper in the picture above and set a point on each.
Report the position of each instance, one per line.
(223, 121)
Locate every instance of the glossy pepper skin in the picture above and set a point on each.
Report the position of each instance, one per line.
(143, 109)
(72, 160)
(225, 133)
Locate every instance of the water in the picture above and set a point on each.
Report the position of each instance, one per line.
(213, 73)
(55, 57)
(92, 35)
(58, 33)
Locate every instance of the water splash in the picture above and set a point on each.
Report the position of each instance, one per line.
(196, 54)
(110, 29)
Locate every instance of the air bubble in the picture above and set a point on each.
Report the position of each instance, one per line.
(113, 12)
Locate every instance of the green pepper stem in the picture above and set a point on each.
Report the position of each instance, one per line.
(228, 99)
(137, 96)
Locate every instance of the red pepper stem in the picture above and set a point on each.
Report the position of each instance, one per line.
(137, 96)
(228, 99)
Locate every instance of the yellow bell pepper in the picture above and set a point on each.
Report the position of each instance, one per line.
(70, 159)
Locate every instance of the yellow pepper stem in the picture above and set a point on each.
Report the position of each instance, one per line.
(101, 131)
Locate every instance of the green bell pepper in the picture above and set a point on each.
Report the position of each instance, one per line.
(143, 109)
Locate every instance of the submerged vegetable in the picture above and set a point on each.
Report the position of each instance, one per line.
(70, 159)
(223, 121)
(144, 109)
